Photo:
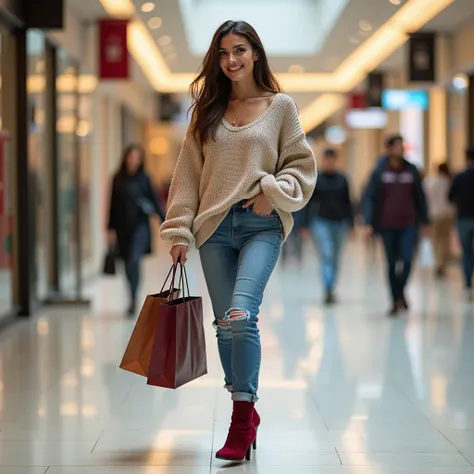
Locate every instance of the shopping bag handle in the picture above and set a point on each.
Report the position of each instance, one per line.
(182, 280)
(163, 287)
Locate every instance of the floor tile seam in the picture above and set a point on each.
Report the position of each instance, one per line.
(98, 439)
(318, 409)
(413, 404)
(424, 415)
(464, 456)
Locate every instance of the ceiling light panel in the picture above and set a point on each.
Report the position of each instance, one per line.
(147, 7)
(155, 23)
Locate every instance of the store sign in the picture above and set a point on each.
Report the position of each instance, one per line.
(397, 99)
(422, 57)
(375, 86)
(357, 100)
(113, 52)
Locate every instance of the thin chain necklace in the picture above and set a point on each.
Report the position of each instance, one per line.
(235, 120)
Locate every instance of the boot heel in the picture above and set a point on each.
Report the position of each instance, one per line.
(248, 455)
(254, 444)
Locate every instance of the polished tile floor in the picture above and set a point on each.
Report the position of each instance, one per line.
(344, 390)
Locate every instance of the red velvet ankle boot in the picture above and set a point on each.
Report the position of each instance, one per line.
(241, 434)
(256, 422)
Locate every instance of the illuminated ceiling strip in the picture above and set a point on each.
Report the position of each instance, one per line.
(320, 109)
(390, 36)
(118, 8)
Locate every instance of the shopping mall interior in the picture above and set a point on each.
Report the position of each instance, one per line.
(348, 384)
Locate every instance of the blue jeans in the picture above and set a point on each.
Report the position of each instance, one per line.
(466, 236)
(329, 237)
(237, 261)
(399, 246)
(138, 244)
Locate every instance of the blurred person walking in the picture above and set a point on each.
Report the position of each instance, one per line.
(244, 168)
(329, 217)
(441, 214)
(133, 200)
(395, 207)
(461, 195)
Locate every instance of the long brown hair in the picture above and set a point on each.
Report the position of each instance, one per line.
(210, 91)
(122, 171)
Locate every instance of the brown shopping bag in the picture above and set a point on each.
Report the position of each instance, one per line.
(179, 349)
(137, 355)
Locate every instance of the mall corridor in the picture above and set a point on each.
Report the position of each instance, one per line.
(344, 390)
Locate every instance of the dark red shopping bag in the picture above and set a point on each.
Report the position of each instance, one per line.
(179, 349)
(138, 352)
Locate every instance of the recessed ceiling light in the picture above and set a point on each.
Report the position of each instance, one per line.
(365, 25)
(164, 40)
(296, 69)
(148, 7)
(395, 2)
(155, 22)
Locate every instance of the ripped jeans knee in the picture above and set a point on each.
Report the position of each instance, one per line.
(230, 316)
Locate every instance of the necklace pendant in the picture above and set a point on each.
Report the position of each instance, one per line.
(234, 122)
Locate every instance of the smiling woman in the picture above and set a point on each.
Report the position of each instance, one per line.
(236, 55)
(244, 167)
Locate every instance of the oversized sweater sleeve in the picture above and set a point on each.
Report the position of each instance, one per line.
(295, 179)
(183, 199)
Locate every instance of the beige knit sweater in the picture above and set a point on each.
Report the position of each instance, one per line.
(269, 155)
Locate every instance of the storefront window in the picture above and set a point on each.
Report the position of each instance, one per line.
(66, 127)
(40, 187)
(84, 132)
(6, 198)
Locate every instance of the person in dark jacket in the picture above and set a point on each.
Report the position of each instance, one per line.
(461, 194)
(329, 216)
(132, 202)
(395, 207)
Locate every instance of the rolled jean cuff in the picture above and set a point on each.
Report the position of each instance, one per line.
(244, 397)
(229, 388)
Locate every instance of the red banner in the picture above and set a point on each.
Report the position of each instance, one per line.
(113, 52)
(357, 100)
(6, 219)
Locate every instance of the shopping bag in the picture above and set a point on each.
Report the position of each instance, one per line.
(109, 261)
(137, 355)
(179, 349)
(426, 257)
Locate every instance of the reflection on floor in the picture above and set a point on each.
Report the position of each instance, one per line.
(344, 390)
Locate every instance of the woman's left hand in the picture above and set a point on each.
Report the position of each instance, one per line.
(261, 205)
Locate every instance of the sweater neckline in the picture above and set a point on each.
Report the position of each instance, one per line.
(260, 117)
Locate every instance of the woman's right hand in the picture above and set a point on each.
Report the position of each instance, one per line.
(179, 252)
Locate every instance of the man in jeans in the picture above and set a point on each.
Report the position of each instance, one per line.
(394, 207)
(461, 195)
(329, 215)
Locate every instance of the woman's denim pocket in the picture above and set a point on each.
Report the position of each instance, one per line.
(272, 215)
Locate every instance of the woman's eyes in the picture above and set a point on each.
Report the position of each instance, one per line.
(238, 50)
